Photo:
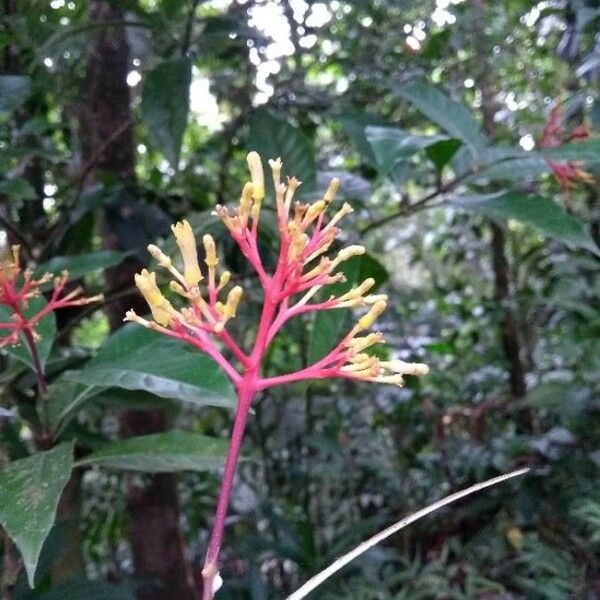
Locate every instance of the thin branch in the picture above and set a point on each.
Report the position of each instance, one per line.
(341, 562)
(422, 202)
(189, 27)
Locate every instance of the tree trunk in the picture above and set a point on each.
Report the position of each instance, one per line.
(509, 329)
(107, 146)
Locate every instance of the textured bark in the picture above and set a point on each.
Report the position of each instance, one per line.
(107, 146)
(509, 332)
(11, 568)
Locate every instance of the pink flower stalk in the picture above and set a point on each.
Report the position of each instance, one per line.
(567, 173)
(302, 270)
(17, 287)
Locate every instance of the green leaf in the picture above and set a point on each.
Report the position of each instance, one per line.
(392, 146)
(354, 124)
(587, 151)
(30, 489)
(81, 264)
(17, 189)
(525, 167)
(162, 453)
(46, 328)
(83, 589)
(135, 358)
(448, 114)
(14, 91)
(542, 213)
(65, 398)
(442, 152)
(272, 136)
(327, 325)
(165, 105)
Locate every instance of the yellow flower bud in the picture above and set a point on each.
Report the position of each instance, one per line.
(211, 251)
(293, 185)
(405, 368)
(332, 189)
(366, 321)
(340, 214)
(313, 211)
(257, 176)
(224, 279)
(184, 236)
(160, 256)
(161, 308)
(176, 287)
(276, 170)
(245, 203)
(233, 300)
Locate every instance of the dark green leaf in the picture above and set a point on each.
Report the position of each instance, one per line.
(135, 358)
(541, 213)
(391, 145)
(65, 398)
(450, 115)
(165, 104)
(327, 325)
(355, 124)
(161, 453)
(587, 151)
(272, 136)
(81, 264)
(17, 189)
(46, 329)
(14, 91)
(442, 152)
(30, 489)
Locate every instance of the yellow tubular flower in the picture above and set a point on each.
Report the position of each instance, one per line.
(257, 176)
(161, 308)
(293, 185)
(405, 368)
(347, 253)
(359, 291)
(224, 280)
(366, 321)
(332, 189)
(233, 300)
(313, 211)
(340, 214)
(246, 203)
(184, 236)
(162, 259)
(276, 170)
(211, 259)
(131, 316)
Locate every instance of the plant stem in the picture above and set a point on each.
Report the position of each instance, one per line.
(37, 363)
(210, 570)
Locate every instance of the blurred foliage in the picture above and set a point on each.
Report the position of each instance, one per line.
(431, 114)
